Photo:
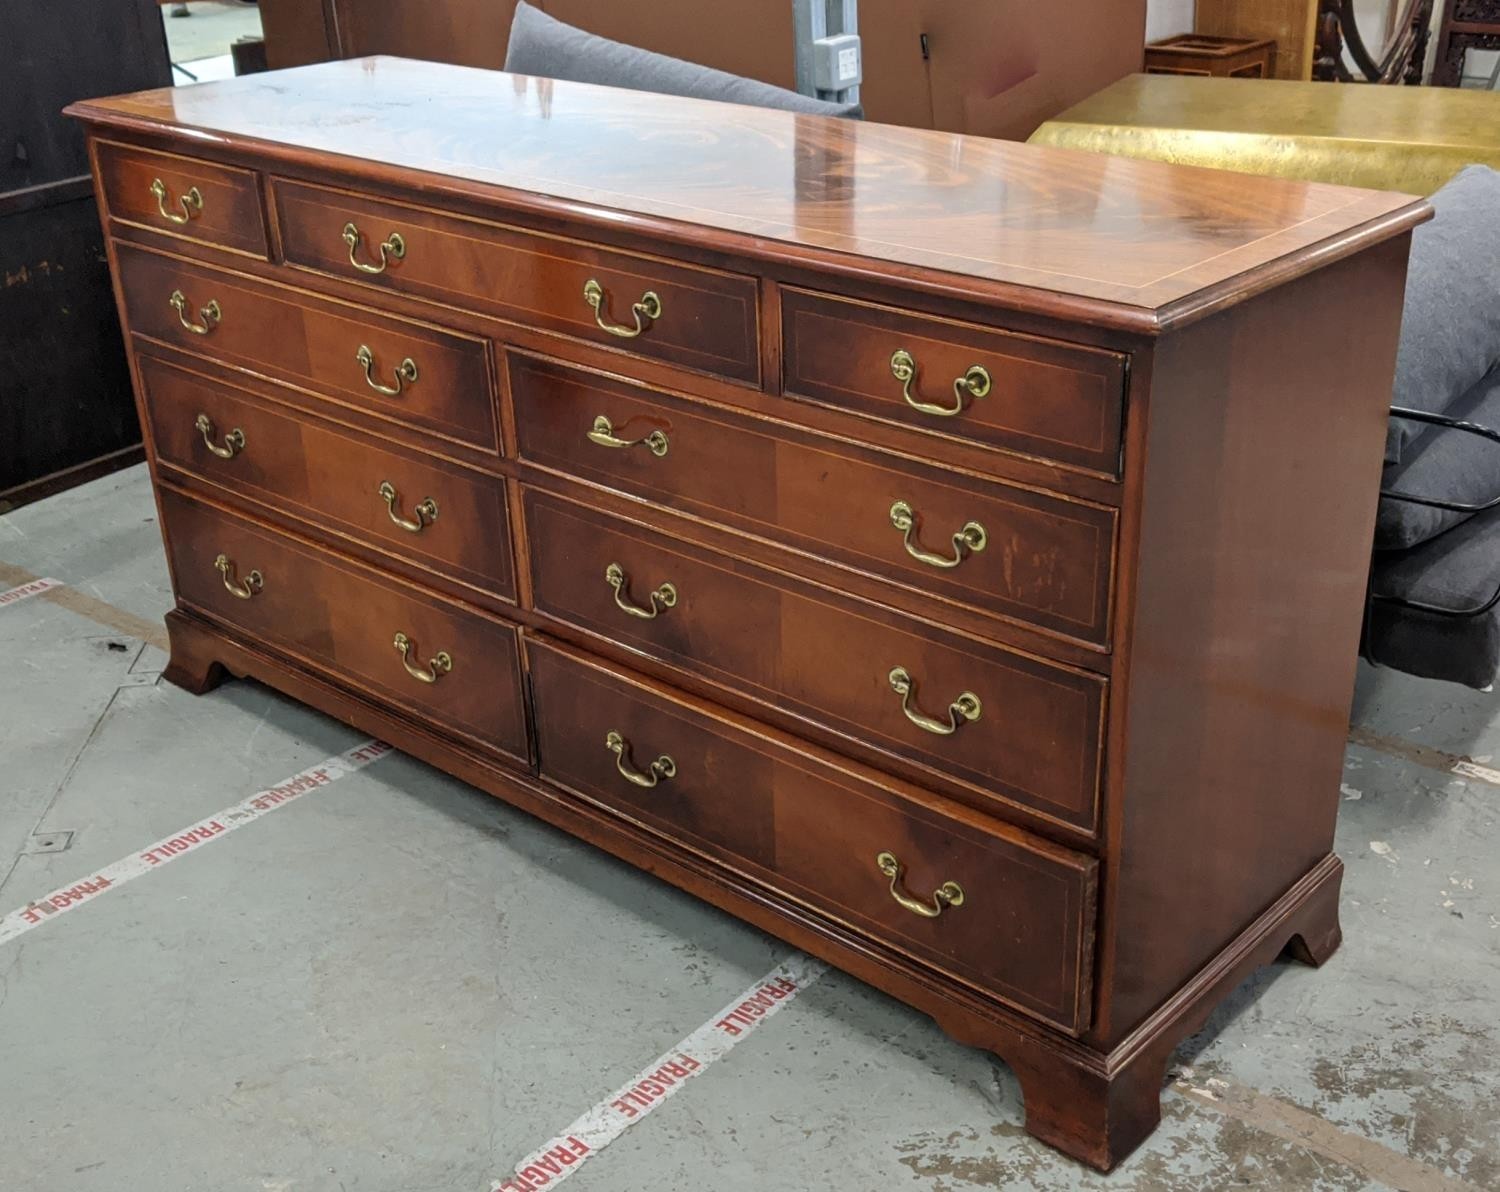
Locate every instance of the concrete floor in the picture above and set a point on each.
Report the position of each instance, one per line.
(211, 27)
(396, 983)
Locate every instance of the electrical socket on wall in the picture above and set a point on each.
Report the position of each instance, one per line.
(837, 62)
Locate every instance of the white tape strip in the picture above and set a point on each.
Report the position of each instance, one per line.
(35, 588)
(556, 1160)
(60, 902)
(1467, 769)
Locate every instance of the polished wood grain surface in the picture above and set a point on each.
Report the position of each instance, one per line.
(1138, 234)
(345, 619)
(292, 337)
(333, 480)
(1241, 667)
(183, 196)
(1035, 744)
(706, 318)
(1030, 556)
(1020, 929)
(1083, 648)
(1017, 393)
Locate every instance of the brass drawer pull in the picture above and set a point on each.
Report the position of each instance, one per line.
(648, 308)
(391, 248)
(946, 895)
(426, 511)
(234, 441)
(664, 596)
(406, 372)
(974, 383)
(210, 314)
(439, 666)
(603, 433)
(191, 203)
(662, 767)
(965, 707)
(254, 582)
(971, 537)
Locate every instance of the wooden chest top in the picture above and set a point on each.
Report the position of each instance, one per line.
(1138, 244)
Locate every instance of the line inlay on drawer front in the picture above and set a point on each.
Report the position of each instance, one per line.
(1000, 726)
(999, 549)
(446, 664)
(707, 319)
(952, 380)
(451, 519)
(396, 370)
(1006, 912)
(184, 197)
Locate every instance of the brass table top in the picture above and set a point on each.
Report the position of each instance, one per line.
(1410, 139)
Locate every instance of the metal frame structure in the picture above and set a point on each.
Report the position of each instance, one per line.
(1472, 428)
(821, 21)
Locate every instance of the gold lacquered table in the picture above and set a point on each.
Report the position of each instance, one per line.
(1411, 139)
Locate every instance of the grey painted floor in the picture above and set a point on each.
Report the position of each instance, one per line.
(396, 983)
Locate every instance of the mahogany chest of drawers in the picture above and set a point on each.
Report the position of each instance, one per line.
(944, 554)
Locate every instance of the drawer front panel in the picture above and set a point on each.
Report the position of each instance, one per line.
(437, 380)
(450, 518)
(704, 319)
(184, 197)
(1035, 739)
(1019, 923)
(1018, 393)
(344, 618)
(1025, 555)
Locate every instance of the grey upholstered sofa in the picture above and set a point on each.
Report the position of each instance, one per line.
(1435, 580)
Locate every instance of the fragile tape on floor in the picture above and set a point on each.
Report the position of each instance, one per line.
(84, 605)
(33, 587)
(644, 1092)
(179, 844)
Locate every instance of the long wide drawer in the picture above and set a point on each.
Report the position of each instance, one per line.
(995, 548)
(448, 665)
(705, 319)
(1007, 913)
(394, 369)
(1019, 393)
(1001, 725)
(405, 503)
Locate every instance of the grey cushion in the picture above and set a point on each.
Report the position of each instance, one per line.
(1450, 333)
(543, 45)
(1448, 464)
(1459, 569)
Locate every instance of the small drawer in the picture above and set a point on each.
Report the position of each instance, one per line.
(445, 664)
(1019, 393)
(1000, 910)
(410, 505)
(182, 196)
(998, 549)
(703, 319)
(1002, 727)
(393, 369)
